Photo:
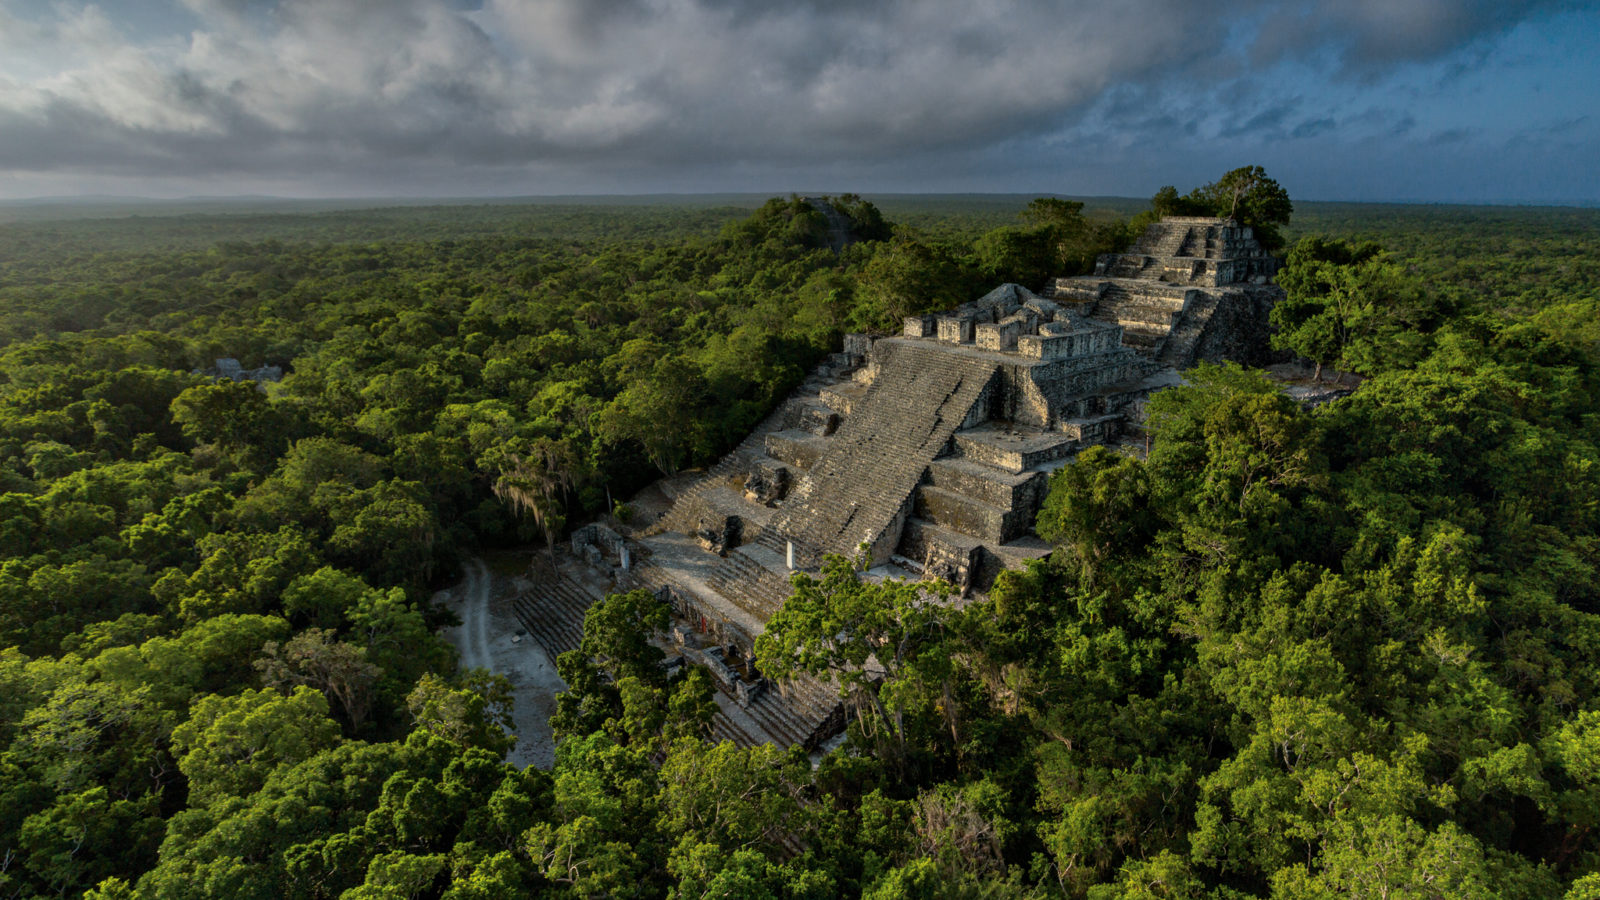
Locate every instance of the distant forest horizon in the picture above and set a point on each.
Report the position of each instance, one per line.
(90, 206)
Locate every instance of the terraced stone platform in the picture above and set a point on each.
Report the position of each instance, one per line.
(1188, 290)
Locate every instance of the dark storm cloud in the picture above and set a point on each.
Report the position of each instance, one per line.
(1267, 124)
(1313, 127)
(329, 86)
(1370, 35)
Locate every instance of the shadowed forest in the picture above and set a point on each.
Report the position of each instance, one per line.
(1344, 652)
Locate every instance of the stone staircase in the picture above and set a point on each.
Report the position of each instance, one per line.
(974, 511)
(552, 612)
(804, 712)
(859, 489)
(1152, 252)
(1167, 241)
(753, 576)
(804, 409)
(956, 511)
(1146, 317)
(1179, 349)
(990, 484)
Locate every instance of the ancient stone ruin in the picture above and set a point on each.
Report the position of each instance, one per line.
(927, 453)
(228, 369)
(1189, 290)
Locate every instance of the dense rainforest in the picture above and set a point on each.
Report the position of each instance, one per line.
(1290, 653)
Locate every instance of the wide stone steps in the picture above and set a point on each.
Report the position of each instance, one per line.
(724, 728)
(552, 612)
(958, 512)
(804, 713)
(921, 535)
(799, 711)
(749, 576)
(987, 483)
(1164, 241)
(862, 482)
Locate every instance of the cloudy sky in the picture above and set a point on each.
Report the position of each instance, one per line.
(1450, 100)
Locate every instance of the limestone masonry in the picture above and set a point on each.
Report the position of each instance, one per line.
(930, 451)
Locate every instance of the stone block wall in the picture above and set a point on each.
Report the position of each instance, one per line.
(920, 327)
(955, 330)
(984, 483)
(999, 335)
(955, 558)
(970, 516)
(857, 344)
(797, 449)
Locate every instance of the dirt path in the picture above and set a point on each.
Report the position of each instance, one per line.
(487, 639)
(475, 615)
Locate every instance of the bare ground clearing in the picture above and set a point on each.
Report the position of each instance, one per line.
(487, 638)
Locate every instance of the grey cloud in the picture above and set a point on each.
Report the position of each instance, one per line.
(1453, 136)
(1370, 35)
(361, 86)
(1268, 122)
(1312, 127)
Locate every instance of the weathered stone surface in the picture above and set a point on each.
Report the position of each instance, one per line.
(797, 448)
(819, 420)
(767, 483)
(748, 692)
(720, 536)
(938, 447)
(1189, 290)
(228, 368)
(941, 553)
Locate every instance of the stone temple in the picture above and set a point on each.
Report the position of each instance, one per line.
(928, 452)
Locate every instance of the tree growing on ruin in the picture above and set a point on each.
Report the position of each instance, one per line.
(881, 643)
(1247, 194)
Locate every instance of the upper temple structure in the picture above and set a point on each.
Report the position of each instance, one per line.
(927, 453)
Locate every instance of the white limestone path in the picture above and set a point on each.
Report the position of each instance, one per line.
(487, 639)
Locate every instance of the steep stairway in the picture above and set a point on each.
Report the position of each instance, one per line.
(804, 712)
(860, 486)
(1146, 317)
(552, 612)
(754, 577)
(1179, 349)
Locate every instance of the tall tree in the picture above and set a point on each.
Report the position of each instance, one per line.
(535, 482)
